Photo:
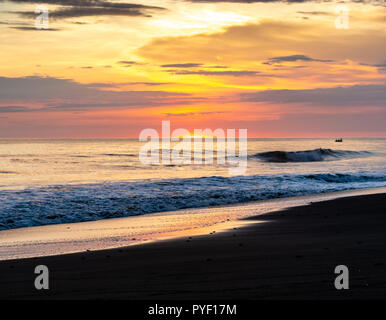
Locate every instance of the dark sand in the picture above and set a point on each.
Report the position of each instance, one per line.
(291, 256)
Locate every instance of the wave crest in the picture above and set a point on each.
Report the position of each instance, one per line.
(310, 155)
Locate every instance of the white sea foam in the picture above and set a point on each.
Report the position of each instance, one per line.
(76, 203)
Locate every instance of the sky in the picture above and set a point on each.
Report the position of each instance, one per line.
(106, 69)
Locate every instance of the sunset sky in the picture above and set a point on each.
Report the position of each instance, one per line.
(111, 69)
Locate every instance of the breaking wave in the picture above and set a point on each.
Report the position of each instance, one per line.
(310, 155)
(77, 203)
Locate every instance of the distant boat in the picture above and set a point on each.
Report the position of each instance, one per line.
(339, 140)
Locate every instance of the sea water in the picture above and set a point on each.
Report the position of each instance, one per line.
(60, 181)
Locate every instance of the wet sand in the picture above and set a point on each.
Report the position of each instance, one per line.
(291, 255)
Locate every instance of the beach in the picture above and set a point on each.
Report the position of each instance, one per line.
(287, 254)
(192, 150)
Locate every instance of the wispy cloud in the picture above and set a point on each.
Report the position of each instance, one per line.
(121, 84)
(316, 13)
(294, 58)
(48, 93)
(22, 28)
(84, 8)
(182, 65)
(233, 73)
(127, 63)
(359, 95)
(186, 114)
(14, 109)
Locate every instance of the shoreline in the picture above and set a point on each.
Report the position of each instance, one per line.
(67, 238)
(288, 254)
(51, 240)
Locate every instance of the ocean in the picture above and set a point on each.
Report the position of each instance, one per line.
(63, 181)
